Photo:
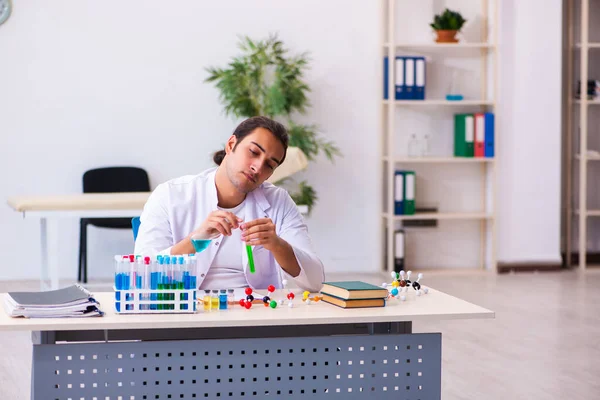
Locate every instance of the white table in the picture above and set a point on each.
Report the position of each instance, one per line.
(305, 350)
(49, 209)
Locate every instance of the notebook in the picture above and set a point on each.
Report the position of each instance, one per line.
(361, 303)
(354, 290)
(72, 301)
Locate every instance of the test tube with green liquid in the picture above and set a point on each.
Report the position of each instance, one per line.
(250, 258)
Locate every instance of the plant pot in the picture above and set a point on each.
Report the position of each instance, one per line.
(446, 36)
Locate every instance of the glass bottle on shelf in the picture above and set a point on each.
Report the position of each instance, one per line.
(413, 146)
(425, 148)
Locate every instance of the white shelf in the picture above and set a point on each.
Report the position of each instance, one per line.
(441, 160)
(589, 158)
(590, 213)
(589, 102)
(591, 45)
(434, 45)
(441, 102)
(442, 216)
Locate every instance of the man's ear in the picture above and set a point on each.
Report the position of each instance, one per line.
(230, 144)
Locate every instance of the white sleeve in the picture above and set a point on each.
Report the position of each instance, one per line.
(294, 231)
(154, 234)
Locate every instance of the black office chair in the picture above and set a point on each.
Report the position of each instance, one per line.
(108, 180)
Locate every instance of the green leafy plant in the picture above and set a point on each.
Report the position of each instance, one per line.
(266, 80)
(449, 20)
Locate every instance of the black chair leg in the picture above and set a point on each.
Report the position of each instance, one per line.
(82, 275)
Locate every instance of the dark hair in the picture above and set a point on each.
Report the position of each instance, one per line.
(248, 126)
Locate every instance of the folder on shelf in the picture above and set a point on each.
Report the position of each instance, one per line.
(489, 135)
(386, 78)
(479, 150)
(400, 84)
(398, 193)
(399, 250)
(420, 78)
(409, 75)
(463, 135)
(409, 192)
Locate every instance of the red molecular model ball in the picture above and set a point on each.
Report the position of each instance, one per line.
(242, 302)
(248, 291)
(271, 288)
(248, 304)
(290, 296)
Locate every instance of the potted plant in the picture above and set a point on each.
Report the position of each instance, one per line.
(266, 80)
(447, 25)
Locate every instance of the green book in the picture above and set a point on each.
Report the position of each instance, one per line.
(354, 290)
(410, 188)
(464, 135)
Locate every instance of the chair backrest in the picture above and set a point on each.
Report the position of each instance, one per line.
(135, 226)
(116, 179)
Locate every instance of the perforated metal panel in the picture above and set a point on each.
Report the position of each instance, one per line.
(406, 366)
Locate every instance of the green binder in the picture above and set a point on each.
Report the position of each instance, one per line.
(464, 135)
(410, 188)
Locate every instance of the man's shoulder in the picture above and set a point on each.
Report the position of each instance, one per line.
(276, 196)
(187, 181)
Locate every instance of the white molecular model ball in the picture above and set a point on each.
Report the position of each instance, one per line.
(281, 302)
(384, 285)
(403, 298)
(284, 282)
(425, 290)
(308, 302)
(290, 304)
(393, 274)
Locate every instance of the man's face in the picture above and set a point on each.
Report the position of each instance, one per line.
(254, 159)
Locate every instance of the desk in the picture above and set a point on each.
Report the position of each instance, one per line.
(309, 351)
(49, 209)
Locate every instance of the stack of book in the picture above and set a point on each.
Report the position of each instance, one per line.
(72, 301)
(593, 89)
(354, 294)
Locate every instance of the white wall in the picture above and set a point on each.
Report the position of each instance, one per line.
(530, 125)
(88, 84)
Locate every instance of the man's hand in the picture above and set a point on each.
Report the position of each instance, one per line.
(218, 222)
(260, 232)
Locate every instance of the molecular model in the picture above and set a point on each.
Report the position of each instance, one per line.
(267, 300)
(401, 284)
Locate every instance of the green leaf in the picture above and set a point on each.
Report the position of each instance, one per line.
(305, 195)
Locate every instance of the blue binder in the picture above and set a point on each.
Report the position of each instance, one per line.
(398, 193)
(386, 77)
(400, 77)
(420, 78)
(409, 78)
(489, 135)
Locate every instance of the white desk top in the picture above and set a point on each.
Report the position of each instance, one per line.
(82, 201)
(430, 307)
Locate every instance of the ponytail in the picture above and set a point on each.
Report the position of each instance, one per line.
(219, 156)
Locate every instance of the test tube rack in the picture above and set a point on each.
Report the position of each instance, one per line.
(155, 301)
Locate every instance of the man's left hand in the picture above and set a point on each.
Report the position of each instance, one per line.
(260, 232)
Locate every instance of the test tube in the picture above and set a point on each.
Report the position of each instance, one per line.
(230, 297)
(166, 275)
(147, 271)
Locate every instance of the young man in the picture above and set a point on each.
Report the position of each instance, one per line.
(234, 205)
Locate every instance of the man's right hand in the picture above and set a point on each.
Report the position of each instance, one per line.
(218, 223)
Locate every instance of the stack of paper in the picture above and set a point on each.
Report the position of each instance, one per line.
(72, 301)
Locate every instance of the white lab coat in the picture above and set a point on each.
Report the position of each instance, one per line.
(179, 206)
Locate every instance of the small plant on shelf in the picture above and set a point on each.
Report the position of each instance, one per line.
(447, 25)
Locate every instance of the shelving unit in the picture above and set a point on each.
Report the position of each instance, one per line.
(483, 49)
(578, 155)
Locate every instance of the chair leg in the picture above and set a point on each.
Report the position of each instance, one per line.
(82, 276)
